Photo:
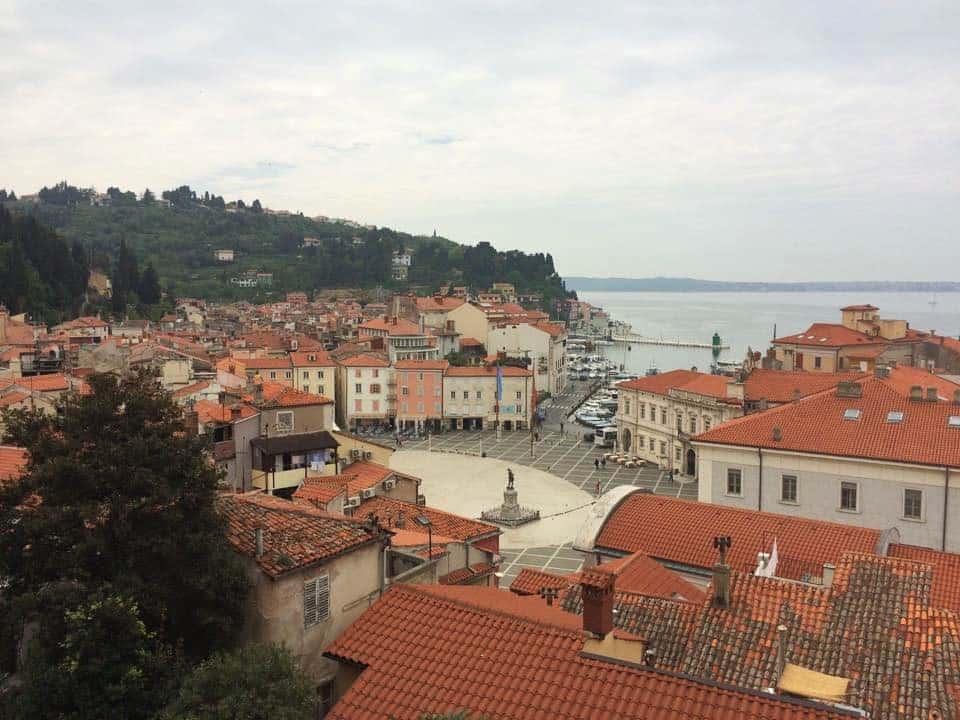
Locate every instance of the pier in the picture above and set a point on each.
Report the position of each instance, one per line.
(640, 340)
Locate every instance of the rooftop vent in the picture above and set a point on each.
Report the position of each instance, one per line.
(932, 395)
(851, 414)
(777, 434)
(849, 390)
(895, 416)
(916, 392)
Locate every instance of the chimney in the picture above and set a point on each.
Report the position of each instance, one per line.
(916, 392)
(234, 412)
(956, 397)
(721, 572)
(258, 541)
(881, 371)
(596, 587)
(781, 651)
(849, 390)
(932, 394)
(777, 434)
(828, 570)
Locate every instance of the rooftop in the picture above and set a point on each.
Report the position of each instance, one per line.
(13, 461)
(688, 380)
(294, 536)
(820, 424)
(829, 335)
(444, 523)
(782, 386)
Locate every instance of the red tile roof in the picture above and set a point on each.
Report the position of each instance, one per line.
(435, 304)
(41, 383)
(393, 326)
(295, 536)
(530, 582)
(781, 386)
(421, 365)
(466, 575)
(688, 380)
(831, 335)
(285, 396)
(320, 359)
(945, 592)
(902, 378)
(209, 411)
(355, 478)
(502, 656)
(13, 461)
(682, 532)
(188, 390)
(639, 573)
(12, 398)
(364, 360)
(485, 371)
(553, 329)
(444, 523)
(816, 425)
(263, 363)
(470, 342)
(318, 491)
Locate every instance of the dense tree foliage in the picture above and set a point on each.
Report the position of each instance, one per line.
(255, 682)
(128, 503)
(7, 195)
(65, 194)
(180, 242)
(40, 273)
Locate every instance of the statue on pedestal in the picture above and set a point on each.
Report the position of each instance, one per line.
(509, 479)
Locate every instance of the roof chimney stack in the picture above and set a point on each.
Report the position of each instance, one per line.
(956, 397)
(849, 390)
(721, 572)
(258, 541)
(828, 570)
(777, 434)
(932, 395)
(596, 587)
(916, 392)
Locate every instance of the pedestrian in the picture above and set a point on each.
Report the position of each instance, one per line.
(536, 436)
(603, 462)
(596, 464)
(561, 428)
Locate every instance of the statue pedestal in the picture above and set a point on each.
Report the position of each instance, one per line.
(510, 513)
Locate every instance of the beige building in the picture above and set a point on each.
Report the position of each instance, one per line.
(315, 372)
(658, 415)
(470, 398)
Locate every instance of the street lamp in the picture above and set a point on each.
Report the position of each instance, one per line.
(424, 521)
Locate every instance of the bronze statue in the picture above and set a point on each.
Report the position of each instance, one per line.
(509, 479)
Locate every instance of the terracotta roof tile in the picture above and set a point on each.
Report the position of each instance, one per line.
(695, 382)
(782, 386)
(303, 359)
(13, 461)
(435, 304)
(285, 396)
(209, 411)
(830, 335)
(530, 581)
(13, 398)
(444, 523)
(502, 656)
(365, 360)
(41, 383)
(902, 378)
(294, 535)
(355, 478)
(682, 532)
(400, 327)
(816, 424)
(945, 592)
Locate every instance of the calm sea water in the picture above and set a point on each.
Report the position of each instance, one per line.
(749, 320)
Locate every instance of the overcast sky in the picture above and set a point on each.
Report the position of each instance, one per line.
(761, 141)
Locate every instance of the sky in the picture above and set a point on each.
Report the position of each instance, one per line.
(778, 141)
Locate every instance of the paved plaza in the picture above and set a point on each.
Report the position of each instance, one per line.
(558, 477)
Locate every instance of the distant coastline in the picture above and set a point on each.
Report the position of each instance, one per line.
(667, 284)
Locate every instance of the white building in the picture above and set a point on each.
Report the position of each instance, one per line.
(470, 398)
(223, 255)
(366, 391)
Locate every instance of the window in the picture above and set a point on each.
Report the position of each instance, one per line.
(895, 416)
(375, 388)
(848, 496)
(376, 406)
(653, 444)
(316, 600)
(306, 388)
(285, 421)
(358, 405)
(320, 391)
(273, 374)
(677, 454)
(404, 390)
(319, 374)
(420, 407)
(519, 395)
(419, 376)
(437, 408)
(734, 481)
(817, 361)
(325, 698)
(466, 394)
(376, 372)
(679, 422)
(626, 407)
(453, 394)
(851, 414)
(420, 390)
(357, 373)
(643, 411)
(479, 395)
(403, 408)
(693, 424)
(663, 416)
(358, 388)
(653, 413)
(663, 448)
(913, 504)
(306, 374)
(288, 374)
(788, 488)
(706, 422)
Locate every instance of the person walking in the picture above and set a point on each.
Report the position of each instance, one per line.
(603, 462)
(561, 428)
(596, 464)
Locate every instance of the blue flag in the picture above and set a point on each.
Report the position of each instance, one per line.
(499, 383)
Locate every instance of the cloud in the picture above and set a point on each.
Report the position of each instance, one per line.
(743, 140)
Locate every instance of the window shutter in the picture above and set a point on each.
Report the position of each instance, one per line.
(323, 597)
(310, 603)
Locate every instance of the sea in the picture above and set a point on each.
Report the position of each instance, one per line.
(748, 320)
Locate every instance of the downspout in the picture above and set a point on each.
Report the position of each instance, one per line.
(760, 479)
(946, 495)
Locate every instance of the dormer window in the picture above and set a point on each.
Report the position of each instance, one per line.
(895, 416)
(851, 414)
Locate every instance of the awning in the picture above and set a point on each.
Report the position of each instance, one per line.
(806, 683)
(297, 443)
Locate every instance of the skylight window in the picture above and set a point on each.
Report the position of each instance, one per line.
(895, 416)
(953, 421)
(851, 414)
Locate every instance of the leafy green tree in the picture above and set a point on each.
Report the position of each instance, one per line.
(148, 197)
(255, 682)
(128, 500)
(126, 279)
(100, 661)
(149, 290)
(256, 206)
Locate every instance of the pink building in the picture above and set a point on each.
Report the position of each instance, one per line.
(420, 393)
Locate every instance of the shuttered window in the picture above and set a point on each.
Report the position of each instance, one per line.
(316, 600)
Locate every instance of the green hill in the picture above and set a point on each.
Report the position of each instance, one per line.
(180, 240)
